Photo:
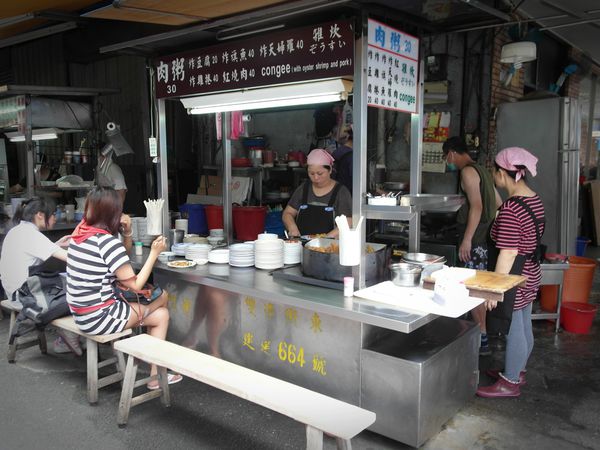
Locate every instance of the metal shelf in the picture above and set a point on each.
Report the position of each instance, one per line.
(389, 212)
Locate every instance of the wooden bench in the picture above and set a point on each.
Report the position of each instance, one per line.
(93, 365)
(320, 413)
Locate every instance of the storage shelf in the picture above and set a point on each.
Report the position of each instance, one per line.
(389, 212)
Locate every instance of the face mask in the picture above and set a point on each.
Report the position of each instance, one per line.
(451, 167)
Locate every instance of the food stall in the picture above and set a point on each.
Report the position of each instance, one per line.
(414, 369)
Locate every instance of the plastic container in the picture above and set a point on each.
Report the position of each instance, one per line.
(196, 218)
(214, 216)
(249, 221)
(577, 317)
(582, 243)
(139, 249)
(577, 283)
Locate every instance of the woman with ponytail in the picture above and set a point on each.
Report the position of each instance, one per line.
(25, 247)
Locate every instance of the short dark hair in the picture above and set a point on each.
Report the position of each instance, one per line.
(103, 209)
(455, 144)
(29, 208)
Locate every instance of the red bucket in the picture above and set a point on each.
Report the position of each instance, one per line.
(577, 317)
(214, 216)
(249, 221)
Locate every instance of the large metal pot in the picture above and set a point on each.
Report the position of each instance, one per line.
(326, 266)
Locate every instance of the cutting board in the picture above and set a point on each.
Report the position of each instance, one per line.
(487, 285)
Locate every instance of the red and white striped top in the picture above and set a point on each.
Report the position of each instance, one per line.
(514, 228)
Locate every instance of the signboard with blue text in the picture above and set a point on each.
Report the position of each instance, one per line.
(392, 68)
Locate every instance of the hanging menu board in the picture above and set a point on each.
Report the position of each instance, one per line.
(393, 68)
(310, 53)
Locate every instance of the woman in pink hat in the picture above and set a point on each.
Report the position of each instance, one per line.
(516, 234)
(315, 204)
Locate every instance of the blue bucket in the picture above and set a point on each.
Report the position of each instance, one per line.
(196, 218)
(582, 243)
(274, 223)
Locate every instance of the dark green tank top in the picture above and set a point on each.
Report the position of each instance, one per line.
(488, 200)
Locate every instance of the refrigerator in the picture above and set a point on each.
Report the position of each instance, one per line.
(551, 130)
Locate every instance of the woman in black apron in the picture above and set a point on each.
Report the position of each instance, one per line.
(515, 236)
(315, 204)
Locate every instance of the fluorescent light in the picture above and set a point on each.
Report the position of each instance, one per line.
(272, 97)
(41, 134)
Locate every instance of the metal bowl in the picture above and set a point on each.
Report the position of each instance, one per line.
(423, 259)
(404, 274)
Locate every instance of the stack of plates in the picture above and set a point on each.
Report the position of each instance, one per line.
(179, 249)
(268, 253)
(197, 251)
(241, 255)
(219, 256)
(292, 252)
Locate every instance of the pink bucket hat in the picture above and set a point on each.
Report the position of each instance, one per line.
(319, 157)
(511, 157)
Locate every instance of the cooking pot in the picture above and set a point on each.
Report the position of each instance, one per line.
(326, 266)
(405, 274)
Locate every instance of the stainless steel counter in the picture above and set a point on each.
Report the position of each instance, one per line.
(396, 363)
(260, 283)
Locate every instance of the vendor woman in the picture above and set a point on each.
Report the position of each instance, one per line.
(313, 207)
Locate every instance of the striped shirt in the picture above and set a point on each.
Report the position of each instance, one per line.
(514, 228)
(91, 267)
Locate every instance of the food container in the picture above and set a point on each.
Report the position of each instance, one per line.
(404, 274)
(176, 236)
(326, 266)
(165, 257)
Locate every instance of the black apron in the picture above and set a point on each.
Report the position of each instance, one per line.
(498, 319)
(316, 219)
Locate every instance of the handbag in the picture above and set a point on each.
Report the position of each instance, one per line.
(144, 296)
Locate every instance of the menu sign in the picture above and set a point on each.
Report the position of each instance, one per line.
(393, 68)
(320, 51)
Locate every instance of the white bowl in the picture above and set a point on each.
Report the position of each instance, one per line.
(263, 236)
(216, 232)
(215, 240)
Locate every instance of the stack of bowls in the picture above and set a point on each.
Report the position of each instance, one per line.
(194, 252)
(268, 252)
(216, 236)
(292, 252)
(179, 249)
(241, 255)
(218, 256)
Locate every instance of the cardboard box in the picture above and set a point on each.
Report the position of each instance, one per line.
(210, 185)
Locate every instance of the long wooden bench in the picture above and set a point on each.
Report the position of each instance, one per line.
(93, 365)
(320, 413)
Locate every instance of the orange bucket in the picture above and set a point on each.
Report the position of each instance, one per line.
(577, 283)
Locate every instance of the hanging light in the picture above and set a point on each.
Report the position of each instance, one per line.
(271, 97)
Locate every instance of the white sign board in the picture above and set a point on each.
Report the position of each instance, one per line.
(393, 68)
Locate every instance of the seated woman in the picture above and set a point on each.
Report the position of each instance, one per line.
(25, 248)
(97, 260)
(315, 204)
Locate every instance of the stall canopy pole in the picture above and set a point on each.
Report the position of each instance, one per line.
(30, 148)
(359, 155)
(162, 173)
(227, 216)
(416, 153)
